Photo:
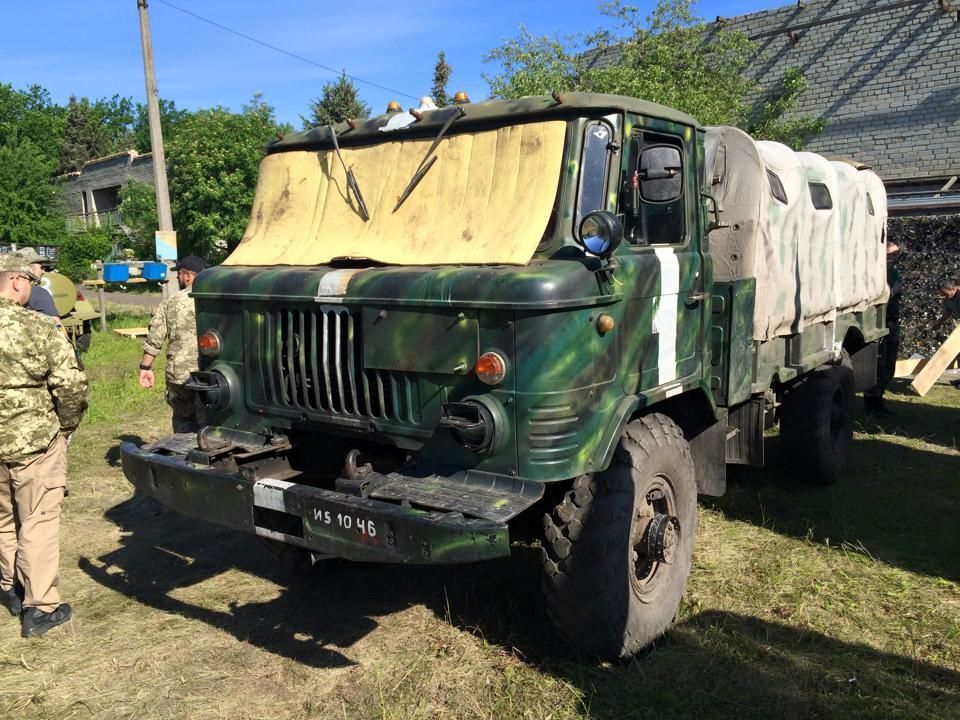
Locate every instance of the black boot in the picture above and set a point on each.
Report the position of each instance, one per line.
(34, 622)
(12, 599)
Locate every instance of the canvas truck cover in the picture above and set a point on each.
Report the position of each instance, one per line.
(809, 230)
(487, 200)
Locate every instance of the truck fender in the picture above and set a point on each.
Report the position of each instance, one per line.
(707, 446)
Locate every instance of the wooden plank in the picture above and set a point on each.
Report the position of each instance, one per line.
(910, 367)
(938, 363)
(131, 332)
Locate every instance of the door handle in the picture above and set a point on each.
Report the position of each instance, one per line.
(694, 298)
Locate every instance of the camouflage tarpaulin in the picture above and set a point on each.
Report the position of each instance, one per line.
(810, 262)
(487, 199)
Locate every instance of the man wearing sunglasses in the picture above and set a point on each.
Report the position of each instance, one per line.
(43, 395)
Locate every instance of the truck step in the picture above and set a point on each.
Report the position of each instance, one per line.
(481, 495)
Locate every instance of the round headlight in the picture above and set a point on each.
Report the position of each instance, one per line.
(600, 233)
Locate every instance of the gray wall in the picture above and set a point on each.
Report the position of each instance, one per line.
(886, 80)
(109, 172)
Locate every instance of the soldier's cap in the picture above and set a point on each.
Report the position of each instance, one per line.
(32, 256)
(12, 262)
(191, 263)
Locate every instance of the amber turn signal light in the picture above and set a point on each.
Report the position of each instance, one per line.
(209, 343)
(490, 368)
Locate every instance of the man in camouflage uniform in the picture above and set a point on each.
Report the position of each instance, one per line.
(43, 395)
(40, 299)
(176, 323)
(950, 311)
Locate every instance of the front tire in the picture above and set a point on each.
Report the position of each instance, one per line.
(618, 548)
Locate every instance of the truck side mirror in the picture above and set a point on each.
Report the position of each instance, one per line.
(600, 233)
(660, 173)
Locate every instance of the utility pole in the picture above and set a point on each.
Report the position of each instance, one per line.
(166, 237)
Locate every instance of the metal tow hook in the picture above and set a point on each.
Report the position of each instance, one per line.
(350, 468)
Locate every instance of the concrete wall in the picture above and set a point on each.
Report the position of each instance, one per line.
(883, 74)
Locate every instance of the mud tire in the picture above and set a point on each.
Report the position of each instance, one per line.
(816, 423)
(603, 597)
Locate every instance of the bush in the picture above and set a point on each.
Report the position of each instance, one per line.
(79, 251)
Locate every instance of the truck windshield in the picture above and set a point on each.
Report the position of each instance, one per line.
(487, 199)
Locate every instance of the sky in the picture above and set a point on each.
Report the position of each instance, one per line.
(93, 49)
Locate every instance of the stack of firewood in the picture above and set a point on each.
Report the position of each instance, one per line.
(932, 252)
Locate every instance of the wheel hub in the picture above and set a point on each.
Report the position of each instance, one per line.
(660, 539)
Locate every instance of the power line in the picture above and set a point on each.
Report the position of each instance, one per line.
(285, 52)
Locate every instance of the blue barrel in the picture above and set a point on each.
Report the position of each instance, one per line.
(115, 272)
(154, 271)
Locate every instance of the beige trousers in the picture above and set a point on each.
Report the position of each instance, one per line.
(31, 493)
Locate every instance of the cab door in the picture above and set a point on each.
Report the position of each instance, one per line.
(659, 200)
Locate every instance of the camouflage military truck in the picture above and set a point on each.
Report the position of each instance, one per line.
(545, 323)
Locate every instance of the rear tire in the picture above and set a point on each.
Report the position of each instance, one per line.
(816, 423)
(617, 550)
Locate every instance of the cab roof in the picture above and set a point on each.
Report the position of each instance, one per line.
(490, 113)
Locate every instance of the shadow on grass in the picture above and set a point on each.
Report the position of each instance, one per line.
(898, 503)
(112, 455)
(712, 665)
(938, 424)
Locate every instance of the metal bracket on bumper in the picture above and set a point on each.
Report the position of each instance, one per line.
(324, 521)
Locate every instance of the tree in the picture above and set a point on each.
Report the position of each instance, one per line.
(79, 250)
(441, 76)
(170, 119)
(339, 101)
(669, 58)
(31, 115)
(116, 118)
(772, 120)
(213, 165)
(30, 210)
(84, 136)
(138, 208)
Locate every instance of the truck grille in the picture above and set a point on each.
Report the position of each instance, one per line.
(312, 360)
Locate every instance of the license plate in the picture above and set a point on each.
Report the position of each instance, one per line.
(345, 521)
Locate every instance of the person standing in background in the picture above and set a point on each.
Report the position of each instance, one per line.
(176, 324)
(890, 344)
(40, 299)
(43, 396)
(950, 310)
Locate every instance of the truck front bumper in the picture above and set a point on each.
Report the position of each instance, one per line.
(322, 521)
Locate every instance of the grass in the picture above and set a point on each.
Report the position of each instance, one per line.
(840, 602)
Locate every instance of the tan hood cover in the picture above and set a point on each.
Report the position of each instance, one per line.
(487, 199)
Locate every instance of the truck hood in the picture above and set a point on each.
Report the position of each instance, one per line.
(544, 284)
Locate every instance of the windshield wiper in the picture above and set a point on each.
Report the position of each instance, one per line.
(351, 180)
(428, 161)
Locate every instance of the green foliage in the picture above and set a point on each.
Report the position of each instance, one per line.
(668, 57)
(213, 164)
(138, 208)
(30, 211)
(170, 119)
(30, 115)
(441, 76)
(531, 65)
(79, 250)
(339, 101)
(84, 136)
(773, 121)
